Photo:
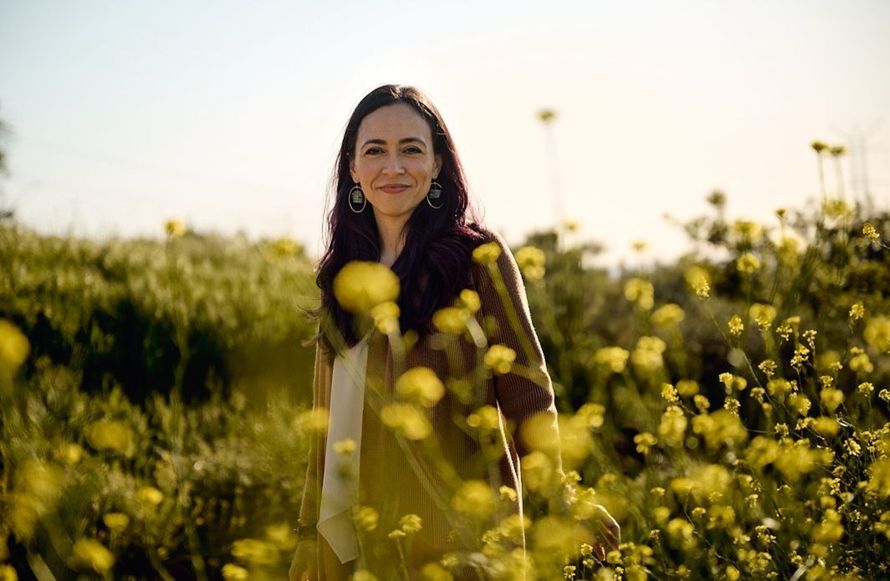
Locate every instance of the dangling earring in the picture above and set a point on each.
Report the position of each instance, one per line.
(357, 196)
(434, 196)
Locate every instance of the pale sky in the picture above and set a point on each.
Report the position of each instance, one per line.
(228, 114)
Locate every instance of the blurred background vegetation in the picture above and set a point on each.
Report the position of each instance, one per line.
(154, 397)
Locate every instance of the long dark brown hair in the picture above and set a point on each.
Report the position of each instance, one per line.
(434, 264)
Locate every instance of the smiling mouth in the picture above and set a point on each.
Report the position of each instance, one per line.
(394, 189)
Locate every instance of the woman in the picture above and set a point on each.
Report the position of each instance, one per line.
(393, 492)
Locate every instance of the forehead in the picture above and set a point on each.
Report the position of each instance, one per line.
(394, 122)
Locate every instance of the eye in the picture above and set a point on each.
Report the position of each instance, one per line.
(373, 151)
(413, 149)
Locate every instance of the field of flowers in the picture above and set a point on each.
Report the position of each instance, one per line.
(730, 410)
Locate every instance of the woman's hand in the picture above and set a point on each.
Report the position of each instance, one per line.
(304, 565)
(608, 533)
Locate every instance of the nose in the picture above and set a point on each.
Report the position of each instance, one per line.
(393, 165)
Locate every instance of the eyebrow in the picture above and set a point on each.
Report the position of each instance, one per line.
(406, 140)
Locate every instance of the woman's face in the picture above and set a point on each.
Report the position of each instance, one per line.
(394, 161)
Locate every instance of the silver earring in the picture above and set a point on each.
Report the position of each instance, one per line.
(434, 196)
(357, 196)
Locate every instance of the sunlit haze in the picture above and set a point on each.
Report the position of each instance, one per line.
(228, 114)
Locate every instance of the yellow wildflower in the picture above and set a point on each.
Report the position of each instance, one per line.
(282, 536)
(672, 428)
(641, 292)
(747, 231)
(386, 317)
(870, 232)
(410, 523)
(701, 402)
(90, 555)
(149, 496)
(877, 333)
(255, 552)
(232, 572)
(366, 518)
(284, 246)
(406, 420)
(486, 253)
(360, 286)
(499, 358)
(420, 385)
(687, 387)
(879, 477)
(435, 572)
(647, 356)
(486, 419)
(538, 472)
(747, 263)
(826, 426)
(116, 521)
(469, 299)
(531, 262)
(831, 398)
(476, 498)
(175, 228)
(698, 280)
(111, 435)
(314, 420)
(857, 311)
(644, 441)
(363, 575)
(866, 388)
(836, 208)
(860, 362)
(7, 573)
(14, 347)
(70, 453)
(762, 314)
(736, 326)
(612, 358)
(451, 320)
(345, 447)
(819, 146)
(668, 315)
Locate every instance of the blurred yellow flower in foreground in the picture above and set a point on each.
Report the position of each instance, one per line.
(149, 496)
(111, 435)
(487, 419)
(366, 518)
(640, 292)
(406, 420)
(175, 228)
(90, 555)
(7, 573)
(486, 253)
(763, 314)
(255, 552)
(410, 524)
(116, 521)
(451, 320)
(14, 347)
(499, 358)
(470, 300)
(361, 285)
(386, 317)
(879, 477)
(314, 420)
(699, 281)
(531, 261)
(668, 315)
(475, 498)
(748, 263)
(69, 453)
(613, 358)
(646, 357)
(435, 572)
(282, 536)
(232, 572)
(877, 333)
(644, 441)
(420, 385)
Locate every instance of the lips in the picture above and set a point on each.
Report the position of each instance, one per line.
(394, 188)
